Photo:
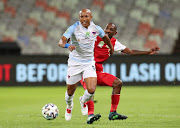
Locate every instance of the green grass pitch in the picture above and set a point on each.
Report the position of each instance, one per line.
(146, 107)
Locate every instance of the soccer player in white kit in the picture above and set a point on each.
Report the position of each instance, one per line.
(81, 62)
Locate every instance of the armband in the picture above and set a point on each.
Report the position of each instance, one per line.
(67, 45)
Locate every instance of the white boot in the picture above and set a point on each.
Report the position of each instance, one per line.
(84, 107)
(68, 112)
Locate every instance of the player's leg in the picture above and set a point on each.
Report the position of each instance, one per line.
(89, 104)
(91, 83)
(72, 82)
(115, 98)
(106, 79)
(84, 106)
(69, 95)
(117, 85)
(88, 94)
(91, 86)
(83, 84)
(90, 79)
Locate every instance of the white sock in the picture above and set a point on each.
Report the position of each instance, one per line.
(86, 96)
(69, 99)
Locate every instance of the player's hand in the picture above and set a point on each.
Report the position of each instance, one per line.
(154, 50)
(72, 47)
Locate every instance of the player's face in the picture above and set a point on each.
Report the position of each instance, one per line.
(85, 18)
(110, 30)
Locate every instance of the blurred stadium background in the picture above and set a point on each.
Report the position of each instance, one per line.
(37, 25)
(31, 29)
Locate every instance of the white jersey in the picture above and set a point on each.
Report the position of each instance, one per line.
(84, 40)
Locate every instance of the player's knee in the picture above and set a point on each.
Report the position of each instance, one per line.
(117, 83)
(91, 90)
(70, 92)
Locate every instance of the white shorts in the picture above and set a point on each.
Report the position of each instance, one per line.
(75, 73)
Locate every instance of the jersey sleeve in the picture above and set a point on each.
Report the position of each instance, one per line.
(101, 31)
(118, 47)
(69, 32)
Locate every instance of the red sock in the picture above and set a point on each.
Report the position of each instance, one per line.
(114, 102)
(90, 107)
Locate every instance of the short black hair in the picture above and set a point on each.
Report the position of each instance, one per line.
(115, 27)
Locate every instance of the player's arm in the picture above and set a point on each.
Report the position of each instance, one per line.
(105, 39)
(122, 48)
(108, 42)
(66, 36)
(137, 52)
(64, 44)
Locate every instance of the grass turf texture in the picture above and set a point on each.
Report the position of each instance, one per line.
(146, 107)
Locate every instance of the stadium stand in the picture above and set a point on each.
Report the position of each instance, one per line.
(37, 25)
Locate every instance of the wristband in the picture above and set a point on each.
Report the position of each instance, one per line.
(67, 45)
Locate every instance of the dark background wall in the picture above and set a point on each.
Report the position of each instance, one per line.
(51, 70)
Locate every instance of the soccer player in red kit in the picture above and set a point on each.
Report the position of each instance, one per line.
(101, 54)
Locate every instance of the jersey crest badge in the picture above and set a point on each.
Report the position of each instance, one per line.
(101, 43)
(87, 34)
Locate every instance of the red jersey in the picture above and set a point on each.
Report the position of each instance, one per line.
(101, 51)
